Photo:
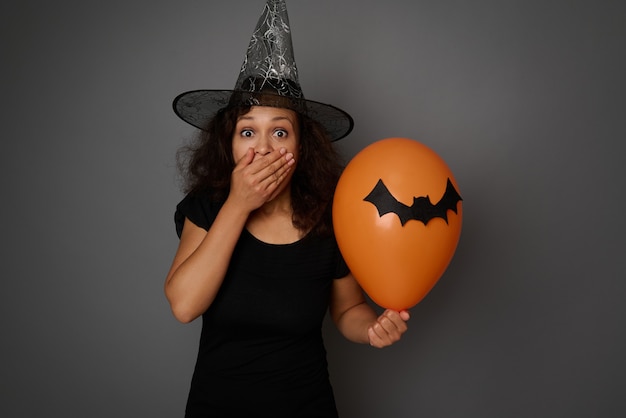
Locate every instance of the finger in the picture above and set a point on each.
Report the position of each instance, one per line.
(391, 326)
(270, 161)
(386, 329)
(246, 159)
(276, 185)
(374, 338)
(382, 329)
(274, 173)
(405, 315)
(389, 320)
(397, 317)
(379, 338)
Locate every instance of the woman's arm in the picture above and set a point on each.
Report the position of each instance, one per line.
(200, 263)
(202, 258)
(358, 322)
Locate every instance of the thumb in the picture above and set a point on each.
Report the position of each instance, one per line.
(404, 314)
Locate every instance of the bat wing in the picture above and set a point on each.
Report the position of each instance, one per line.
(423, 209)
(386, 203)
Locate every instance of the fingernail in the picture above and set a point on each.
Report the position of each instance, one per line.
(283, 150)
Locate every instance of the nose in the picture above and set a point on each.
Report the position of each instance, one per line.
(264, 145)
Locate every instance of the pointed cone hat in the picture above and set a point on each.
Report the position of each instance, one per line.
(268, 77)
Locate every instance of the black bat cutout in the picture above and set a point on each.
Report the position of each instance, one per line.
(422, 209)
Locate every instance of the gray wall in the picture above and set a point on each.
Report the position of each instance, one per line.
(523, 99)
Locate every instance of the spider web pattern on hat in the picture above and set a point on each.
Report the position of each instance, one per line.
(270, 59)
(268, 77)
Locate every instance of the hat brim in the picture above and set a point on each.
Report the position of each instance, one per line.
(197, 107)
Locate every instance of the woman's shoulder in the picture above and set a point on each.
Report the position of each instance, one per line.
(199, 206)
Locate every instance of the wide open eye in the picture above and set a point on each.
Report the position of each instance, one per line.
(280, 133)
(247, 133)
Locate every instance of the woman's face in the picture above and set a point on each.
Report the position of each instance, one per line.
(266, 129)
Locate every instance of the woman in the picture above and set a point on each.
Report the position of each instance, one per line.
(257, 258)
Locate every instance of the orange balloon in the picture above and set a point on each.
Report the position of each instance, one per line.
(397, 218)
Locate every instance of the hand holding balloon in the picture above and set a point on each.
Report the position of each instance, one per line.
(388, 328)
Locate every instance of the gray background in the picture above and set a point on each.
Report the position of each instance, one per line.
(523, 99)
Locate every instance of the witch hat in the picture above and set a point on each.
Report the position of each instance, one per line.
(268, 77)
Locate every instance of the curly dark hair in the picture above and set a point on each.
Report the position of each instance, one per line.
(207, 163)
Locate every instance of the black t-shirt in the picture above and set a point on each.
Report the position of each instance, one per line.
(261, 350)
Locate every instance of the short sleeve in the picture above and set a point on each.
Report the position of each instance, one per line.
(198, 208)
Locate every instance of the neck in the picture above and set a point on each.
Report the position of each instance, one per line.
(280, 205)
(272, 222)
